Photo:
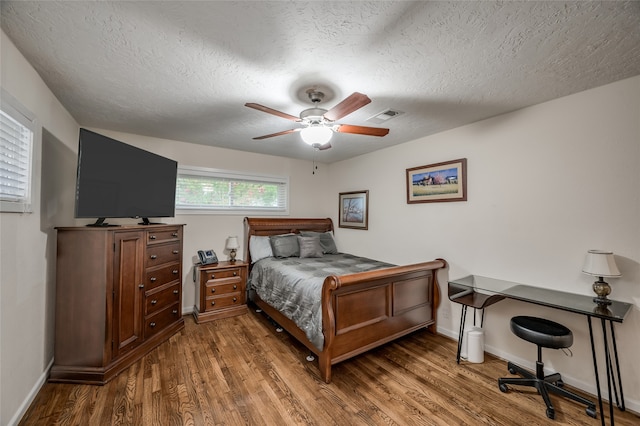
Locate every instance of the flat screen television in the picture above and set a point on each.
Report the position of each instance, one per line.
(116, 180)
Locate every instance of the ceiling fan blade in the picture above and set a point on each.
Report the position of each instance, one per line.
(286, 132)
(353, 102)
(272, 111)
(362, 130)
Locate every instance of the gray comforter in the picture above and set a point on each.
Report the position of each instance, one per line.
(293, 286)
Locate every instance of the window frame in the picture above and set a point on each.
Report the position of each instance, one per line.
(231, 174)
(14, 109)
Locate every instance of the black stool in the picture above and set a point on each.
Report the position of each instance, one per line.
(547, 334)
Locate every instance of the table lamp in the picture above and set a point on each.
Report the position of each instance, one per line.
(600, 263)
(232, 246)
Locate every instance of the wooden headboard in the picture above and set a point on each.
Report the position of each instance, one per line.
(275, 226)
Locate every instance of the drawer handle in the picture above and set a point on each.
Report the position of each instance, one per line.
(235, 273)
(175, 271)
(152, 237)
(213, 290)
(213, 276)
(154, 301)
(153, 324)
(176, 291)
(140, 285)
(213, 303)
(176, 251)
(154, 256)
(175, 311)
(235, 286)
(234, 299)
(153, 279)
(175, 234)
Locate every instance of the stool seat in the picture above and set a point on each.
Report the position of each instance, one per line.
(542, 332)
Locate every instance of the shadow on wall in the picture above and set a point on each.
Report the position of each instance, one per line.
(58, 176)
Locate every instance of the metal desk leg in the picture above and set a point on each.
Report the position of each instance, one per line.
(463, 316)
(607, 360)
(595, 369)
(615, 352)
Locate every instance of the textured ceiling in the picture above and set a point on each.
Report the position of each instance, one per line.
(184, 70)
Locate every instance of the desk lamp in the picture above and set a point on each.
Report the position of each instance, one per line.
(600, 263)
(232, 246)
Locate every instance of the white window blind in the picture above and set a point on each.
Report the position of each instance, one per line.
(16, 148)
(203, 190)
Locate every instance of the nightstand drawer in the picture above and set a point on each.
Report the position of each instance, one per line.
(223, 285)
(223, 273)
(158, 300)
(159, 276)
(219, 302)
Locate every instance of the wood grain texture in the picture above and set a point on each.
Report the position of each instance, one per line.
(238, 370)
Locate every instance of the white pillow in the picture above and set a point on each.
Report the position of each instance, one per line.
(259, 248)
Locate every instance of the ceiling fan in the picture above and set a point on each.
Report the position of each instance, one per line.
(319, 123)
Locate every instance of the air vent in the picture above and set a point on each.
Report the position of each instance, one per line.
(385, 116)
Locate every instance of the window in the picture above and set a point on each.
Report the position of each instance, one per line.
(17, 129)
(202, 190)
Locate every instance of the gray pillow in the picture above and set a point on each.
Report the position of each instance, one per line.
(327, 242)
(259, 248)
(310, 246)
(285, 245)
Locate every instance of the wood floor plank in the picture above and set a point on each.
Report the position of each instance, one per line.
(238, 370)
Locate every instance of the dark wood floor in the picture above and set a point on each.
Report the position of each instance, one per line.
(238, 371)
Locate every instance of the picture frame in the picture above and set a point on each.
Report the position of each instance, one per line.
(438, 182)
(353, 210)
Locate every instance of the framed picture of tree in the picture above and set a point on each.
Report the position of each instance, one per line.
(354, 210)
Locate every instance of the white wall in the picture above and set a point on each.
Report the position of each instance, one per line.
(545, 184)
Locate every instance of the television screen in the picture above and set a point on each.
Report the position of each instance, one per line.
(117, 180)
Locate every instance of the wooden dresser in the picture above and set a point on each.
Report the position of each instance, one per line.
(222, 288)
(118, 295)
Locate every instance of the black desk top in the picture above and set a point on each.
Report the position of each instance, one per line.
(479, 292)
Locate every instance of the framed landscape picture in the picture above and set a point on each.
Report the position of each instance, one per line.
(354, 210)
(438, 182)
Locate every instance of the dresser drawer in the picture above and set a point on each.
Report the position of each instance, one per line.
(155, 277)
(161, 298)
(157, 255)
(161, 320)
(219, 302)
(164, 235)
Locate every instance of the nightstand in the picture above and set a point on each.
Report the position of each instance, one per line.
(222, 289)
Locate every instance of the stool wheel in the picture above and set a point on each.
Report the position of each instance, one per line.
(591, 412)
(512, 370)
(560, 383)
(503, 387)
(551, 413)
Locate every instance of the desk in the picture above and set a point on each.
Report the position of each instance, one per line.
(480, 292)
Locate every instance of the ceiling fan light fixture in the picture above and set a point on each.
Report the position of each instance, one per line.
(316, 135)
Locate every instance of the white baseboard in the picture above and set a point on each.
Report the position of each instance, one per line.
(30, 396)
(590, 388)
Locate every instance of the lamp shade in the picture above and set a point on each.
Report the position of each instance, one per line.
(232, 243)
(316, 135)
(600, 263)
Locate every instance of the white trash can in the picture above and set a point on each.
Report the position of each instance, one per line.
(475, 345)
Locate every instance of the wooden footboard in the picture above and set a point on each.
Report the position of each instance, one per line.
(359, 311)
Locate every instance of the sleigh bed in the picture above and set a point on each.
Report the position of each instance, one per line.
(356, 311)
